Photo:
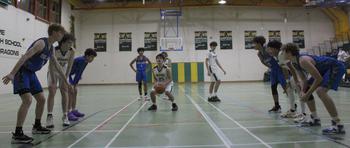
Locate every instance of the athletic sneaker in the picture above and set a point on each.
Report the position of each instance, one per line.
(40, 130)
(20, 138)
(334, 129)
(307, 122)
(275, 109)
(216, 99)
(288, 114)
(65, 121)
(72, 117)
(140, 98)
(153, 107)
(211, 99)
(146, 98)
(77, 113)
(174, 107)
(49, 121)
(299, 118)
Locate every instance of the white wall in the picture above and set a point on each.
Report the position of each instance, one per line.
(240, 64)
(22, 26)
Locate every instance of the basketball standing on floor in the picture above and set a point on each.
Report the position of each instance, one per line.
(26, 83)
(65, 57)
(212, 63)
(141, 71)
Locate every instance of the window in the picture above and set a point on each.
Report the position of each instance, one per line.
(55, 11)
(41, 9)
(26, 5)
(45, 10)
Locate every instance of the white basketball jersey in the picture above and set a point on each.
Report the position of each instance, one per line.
(212, 57)
(160, 73)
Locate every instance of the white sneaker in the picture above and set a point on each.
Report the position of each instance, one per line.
(146, 98)
(140, 98)
(288, 114)
(299, 118)
(49, 121)
(65, 121)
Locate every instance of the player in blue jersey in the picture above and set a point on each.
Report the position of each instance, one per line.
(326, 73)
(76, 72)
(26, 83)
(265, 59)
(141, 66)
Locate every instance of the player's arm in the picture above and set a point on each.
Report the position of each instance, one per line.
(58, 67)
(217, 62)
(149, 62)
(37, 47)
(306, 64)
(261, 58)
(131, 64)
(207, 65)
(70, 62)
(154, 77)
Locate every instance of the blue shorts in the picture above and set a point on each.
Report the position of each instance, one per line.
(331, 78)
(278, 77)
(26, 81)
(141, 76)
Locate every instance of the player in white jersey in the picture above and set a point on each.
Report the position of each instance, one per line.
(162, 75)
(65, 57)
(212, 64)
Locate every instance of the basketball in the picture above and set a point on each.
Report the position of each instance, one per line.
(159, 88)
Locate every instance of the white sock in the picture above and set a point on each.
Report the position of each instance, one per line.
(210, 95)
(214, 94)
(291, 98)
(314, 114)
(302, 107)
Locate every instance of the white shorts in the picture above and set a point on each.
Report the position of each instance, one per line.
(214, 75)
(55, 78)
(168, 88)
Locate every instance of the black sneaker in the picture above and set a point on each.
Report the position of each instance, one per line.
(40, 130)
(21, 138)
(275, 109)
(216, 99)
(211, 99)
(174, 107)
(153, 107)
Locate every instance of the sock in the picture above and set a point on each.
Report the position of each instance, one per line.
(37, 123)
(18, 130)
(291, 99)
(302, 107)
(49, 113)
(314, 115)
(210, 95)
(214, 94)
(336, 120)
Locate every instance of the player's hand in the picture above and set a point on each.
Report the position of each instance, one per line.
(208, 73)
(224, 72)
(7, 78)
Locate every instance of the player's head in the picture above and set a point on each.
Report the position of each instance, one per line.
(213, 45)
(66, 42)
(56, 32)
(90, 54)
(274, 47)
(140, 50)
(291, 50)
(259, 42)
(160, 59)
(165, 54)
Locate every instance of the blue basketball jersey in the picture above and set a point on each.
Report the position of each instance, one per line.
(37, 61)
(141, 63)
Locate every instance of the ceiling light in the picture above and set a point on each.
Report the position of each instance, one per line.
(222, 2)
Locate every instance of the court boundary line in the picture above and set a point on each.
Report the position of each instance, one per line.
(124, 126)
(227, 116)
(211, 123)
(101, 124)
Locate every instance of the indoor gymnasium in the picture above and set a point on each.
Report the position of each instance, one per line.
(175, 73)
